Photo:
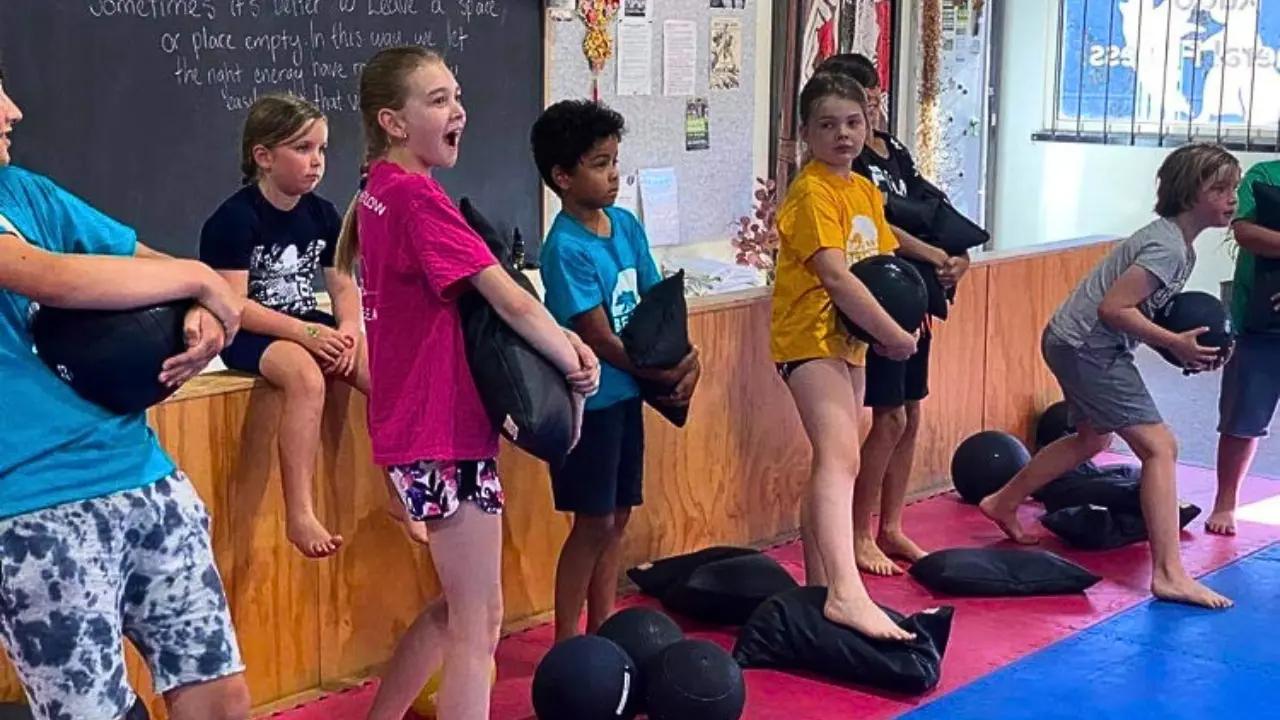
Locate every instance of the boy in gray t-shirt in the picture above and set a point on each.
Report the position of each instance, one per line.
(1089, 343)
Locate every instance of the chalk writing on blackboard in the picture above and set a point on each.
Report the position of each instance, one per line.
(239, 50)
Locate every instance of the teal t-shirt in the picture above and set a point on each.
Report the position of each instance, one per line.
(1267, 173)
(582, 271)
(56, 447)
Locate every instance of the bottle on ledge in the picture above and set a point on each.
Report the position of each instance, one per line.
(517, 251)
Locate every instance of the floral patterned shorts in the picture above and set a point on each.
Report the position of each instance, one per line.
(433, 489)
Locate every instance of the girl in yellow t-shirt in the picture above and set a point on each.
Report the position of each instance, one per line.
(830, 219)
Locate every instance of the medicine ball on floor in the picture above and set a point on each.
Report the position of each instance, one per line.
(985, 462)
(584, 678)
(642, 633)
(425, 704)
(695, 680)
(898, 288)
(112, 358)
(1053, 425)
(1193, 309)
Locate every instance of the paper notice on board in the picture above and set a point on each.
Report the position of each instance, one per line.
(679, 57)
(659, 197)
(629, 194)
(635, 57)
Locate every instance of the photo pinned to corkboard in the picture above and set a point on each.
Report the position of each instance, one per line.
(697, 125)
(726, 53)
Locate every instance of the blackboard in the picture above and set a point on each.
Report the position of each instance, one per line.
(137, 105)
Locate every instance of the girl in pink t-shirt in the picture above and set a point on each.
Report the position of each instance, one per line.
(426, 422)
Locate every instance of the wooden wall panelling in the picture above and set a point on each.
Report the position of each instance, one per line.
(1023, 294)
(953, 409)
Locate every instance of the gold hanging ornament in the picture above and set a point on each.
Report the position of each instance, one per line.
(598, 44)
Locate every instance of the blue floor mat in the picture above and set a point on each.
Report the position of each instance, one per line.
(1156, 660)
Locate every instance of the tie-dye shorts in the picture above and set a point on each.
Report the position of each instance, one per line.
(76, 579)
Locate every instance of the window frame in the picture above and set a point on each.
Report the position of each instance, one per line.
(1131, 132)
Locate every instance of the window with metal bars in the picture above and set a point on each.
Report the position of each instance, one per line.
(1167, 72)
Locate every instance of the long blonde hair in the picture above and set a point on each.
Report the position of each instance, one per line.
(383, 85)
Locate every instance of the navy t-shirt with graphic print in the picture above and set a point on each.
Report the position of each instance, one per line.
(282, 249)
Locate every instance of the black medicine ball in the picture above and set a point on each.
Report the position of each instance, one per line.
(584, 678)
(112, 358)
(899, 289)
(695, 680)
(1053, 425)
(642, 633)
(1190, 310)
(985, 462)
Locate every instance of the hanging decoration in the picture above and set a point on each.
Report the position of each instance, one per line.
(598, 43)
(929, 131)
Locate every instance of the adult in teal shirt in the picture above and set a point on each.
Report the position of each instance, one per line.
(101, 536)
(1251, 378)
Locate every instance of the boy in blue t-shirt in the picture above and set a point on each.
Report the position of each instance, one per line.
(596, 266)
(98, 529)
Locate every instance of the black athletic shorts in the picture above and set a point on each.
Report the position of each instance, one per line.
(894, 383)
(605, 472)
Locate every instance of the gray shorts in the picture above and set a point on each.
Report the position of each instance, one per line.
(1250, 387)
(76, 579)
(1101, 388)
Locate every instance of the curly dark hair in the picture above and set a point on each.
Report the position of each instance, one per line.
(566, 132)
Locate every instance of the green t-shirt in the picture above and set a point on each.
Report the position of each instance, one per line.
(1267, 173)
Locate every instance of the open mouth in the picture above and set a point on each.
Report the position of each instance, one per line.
(453, 137)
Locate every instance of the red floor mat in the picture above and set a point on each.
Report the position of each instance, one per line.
(987, 634)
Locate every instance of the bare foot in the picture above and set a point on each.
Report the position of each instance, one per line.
(896, 544)
(871, 559)
(310, 537)
(864, 617)
(1187, 591)
(1006, 520)
(1221, 522)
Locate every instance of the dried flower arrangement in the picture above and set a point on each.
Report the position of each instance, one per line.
(756, 238)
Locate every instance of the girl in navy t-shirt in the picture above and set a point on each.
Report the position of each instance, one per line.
(269, 240)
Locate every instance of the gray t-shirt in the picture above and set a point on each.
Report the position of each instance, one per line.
(1159, 248)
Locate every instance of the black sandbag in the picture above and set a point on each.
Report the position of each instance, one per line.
(501, 245)
(727, 592)
(1115, 487)
(1001, 572)
(1093, 527)
(656, 578)
(914, 215)
(789, 632)
(657, 337)
(524, 394)
(939, 296)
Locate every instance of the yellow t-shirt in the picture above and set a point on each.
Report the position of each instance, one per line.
(822, 210)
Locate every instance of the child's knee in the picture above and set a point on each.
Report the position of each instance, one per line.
(891, 421)
(593, 529)
(294, 370)
(1154, 443)
(1093, 443)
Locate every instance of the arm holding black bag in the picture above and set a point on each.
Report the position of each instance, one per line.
(536, 406)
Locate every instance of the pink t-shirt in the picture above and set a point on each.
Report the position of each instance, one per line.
(416, 254)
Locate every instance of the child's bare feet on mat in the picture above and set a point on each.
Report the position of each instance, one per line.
(1007, 520)
(897, 545)
(1221, 522)
(871, 559)
(1187, 591)
(309, 536)
(865, 617)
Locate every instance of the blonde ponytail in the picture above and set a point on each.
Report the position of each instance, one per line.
(347, 254)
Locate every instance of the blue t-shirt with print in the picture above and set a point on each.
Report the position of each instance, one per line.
(56, 447)
(582, 271)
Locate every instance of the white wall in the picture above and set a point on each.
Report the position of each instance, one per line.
(1053, 191)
